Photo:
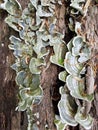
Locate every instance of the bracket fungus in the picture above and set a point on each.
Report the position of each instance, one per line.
(67, 108)
(13, 7)
(36, 28)
(77, 88)
(84, 120)
(59, 124)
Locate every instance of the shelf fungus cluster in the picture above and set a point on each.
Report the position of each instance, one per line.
(36, 26)
(71, 112)
(74, 94)
(36, 33)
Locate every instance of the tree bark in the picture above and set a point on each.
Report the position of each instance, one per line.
(11, 120)
(50, 82)
(90, 31)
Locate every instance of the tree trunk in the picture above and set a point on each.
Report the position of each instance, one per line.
(12, 120)
(9, 118)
